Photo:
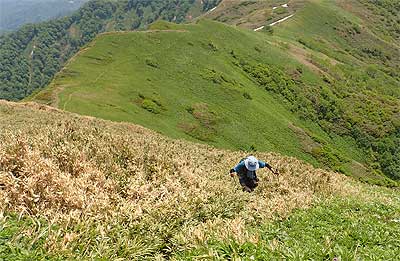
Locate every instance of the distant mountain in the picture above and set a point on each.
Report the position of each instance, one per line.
(14, 14)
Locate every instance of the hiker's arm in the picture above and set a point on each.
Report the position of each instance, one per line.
(263, 164)
(236, 168)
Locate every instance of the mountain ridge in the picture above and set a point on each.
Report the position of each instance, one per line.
(231, 63)
(32, 55)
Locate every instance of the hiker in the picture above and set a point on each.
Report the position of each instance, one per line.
(246, 170)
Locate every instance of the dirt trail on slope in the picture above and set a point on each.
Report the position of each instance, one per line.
(281, 20)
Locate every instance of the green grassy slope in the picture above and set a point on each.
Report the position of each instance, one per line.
(355, 44)
(78, 188)
(198, 82)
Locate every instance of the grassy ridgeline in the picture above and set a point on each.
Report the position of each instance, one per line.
(200, 82)
(79, 187)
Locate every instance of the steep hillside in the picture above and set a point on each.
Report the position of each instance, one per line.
(198, 81)
(355, 44)
(31, 56)
(74, 187)
(14, 14)
(358, 50)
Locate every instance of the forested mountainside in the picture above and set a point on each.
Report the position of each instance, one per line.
(14, 14)
(31, 56)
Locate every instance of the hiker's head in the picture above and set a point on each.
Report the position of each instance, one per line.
(251, 163)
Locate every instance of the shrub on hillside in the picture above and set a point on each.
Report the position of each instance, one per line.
(151, 106)
(268, 29)
(247, 96)
(216, 77)
(152, 63)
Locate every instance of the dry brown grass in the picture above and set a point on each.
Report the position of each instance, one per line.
(95, 175)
